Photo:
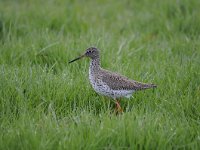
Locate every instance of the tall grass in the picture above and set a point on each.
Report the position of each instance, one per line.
(45, 103)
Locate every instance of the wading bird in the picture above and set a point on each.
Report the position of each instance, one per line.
(109, 83)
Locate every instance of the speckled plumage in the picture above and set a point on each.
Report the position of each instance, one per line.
(109, 83)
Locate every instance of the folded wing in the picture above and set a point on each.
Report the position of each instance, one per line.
(119, 82)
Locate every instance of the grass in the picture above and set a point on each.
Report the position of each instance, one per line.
(45, 103)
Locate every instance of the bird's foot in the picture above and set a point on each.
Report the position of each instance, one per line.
(118, 109)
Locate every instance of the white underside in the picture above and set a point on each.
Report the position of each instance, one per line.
(102, 88)
(105, 90)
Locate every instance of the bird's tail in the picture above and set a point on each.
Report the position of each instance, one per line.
(148, 86)
(143, 86)
(152, 86)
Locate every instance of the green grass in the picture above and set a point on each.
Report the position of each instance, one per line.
(45, 103)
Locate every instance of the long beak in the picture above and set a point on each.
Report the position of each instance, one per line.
(77, 58)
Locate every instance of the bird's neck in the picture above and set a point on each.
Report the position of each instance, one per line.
(95, 64)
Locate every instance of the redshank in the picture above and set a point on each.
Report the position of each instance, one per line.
(109, 83)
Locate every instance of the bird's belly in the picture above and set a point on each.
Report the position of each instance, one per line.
(123, 93)
(101, 88)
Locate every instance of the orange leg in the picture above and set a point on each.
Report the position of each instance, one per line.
(118, 107)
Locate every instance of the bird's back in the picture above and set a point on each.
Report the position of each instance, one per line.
(119, 82)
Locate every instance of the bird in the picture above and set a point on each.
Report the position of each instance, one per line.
(108, 83)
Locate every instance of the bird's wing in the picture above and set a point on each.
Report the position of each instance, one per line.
(118, 82)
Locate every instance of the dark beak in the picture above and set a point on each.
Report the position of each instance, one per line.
(77, 58)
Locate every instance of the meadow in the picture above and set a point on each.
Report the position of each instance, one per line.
(46, 103)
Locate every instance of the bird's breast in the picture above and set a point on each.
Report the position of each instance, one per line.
(98, 85)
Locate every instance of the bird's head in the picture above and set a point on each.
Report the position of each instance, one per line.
(91, 52)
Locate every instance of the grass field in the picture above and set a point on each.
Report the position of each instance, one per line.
(45, 103)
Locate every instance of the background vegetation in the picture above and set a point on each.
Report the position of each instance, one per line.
(45, 103)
